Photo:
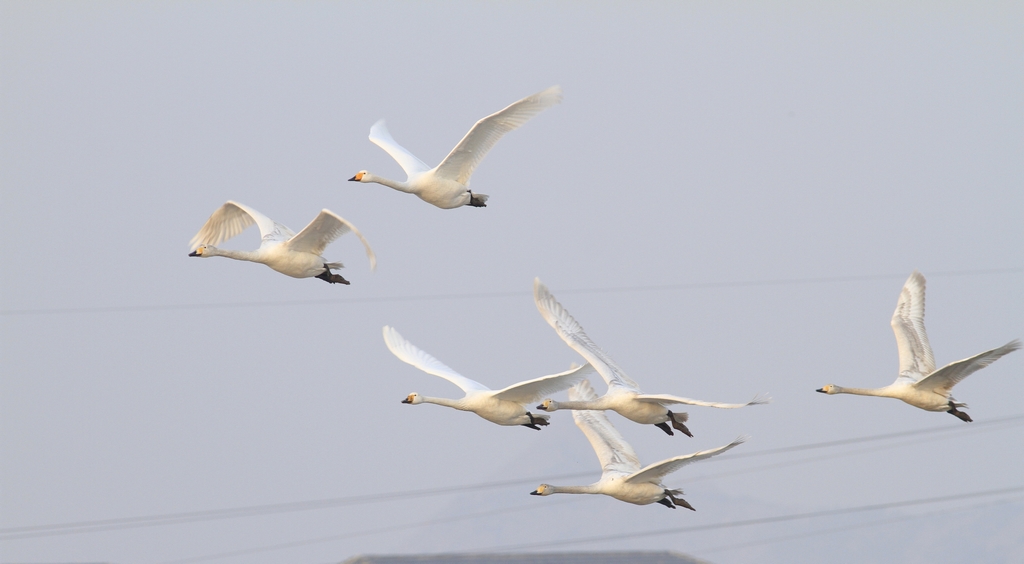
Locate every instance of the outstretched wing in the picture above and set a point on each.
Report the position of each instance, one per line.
(942, 380)
(231, 219)
(326, 227)
(533, 390)
(408, 353)
(668, 399)
(614, 453)
(572, 333)
(382, 138)
(464, 158)
(655, 472)
(916, 359)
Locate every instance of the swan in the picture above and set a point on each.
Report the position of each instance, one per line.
(621, 476)
(447, 185)
(623, 396)
(919, 383)
(504, 407)
(297, 255)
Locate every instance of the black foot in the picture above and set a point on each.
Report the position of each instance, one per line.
(678, 500)
(664, 427)
(677, 422)
(960, 414)
(534, 421)
(328, 276)
(476, 201)
(664, 501)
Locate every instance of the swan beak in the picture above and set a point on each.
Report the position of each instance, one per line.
(194, 254)
(535, 492)
(406, 400)
(353, 179)
(541, 407)
(822, 390)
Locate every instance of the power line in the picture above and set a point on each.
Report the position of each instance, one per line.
(760, 520)
(32, 531)
(343, 536)
(494, 295)
(848, 527)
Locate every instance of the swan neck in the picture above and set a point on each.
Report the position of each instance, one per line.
(878, 392)
(251, 256)
(400, 186)
(591, 489)
(597, 404)
(447, 402)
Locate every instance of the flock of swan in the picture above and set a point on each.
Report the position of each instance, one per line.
(446, 186)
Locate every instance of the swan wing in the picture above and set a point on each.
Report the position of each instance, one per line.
(326, 227)
(668, 399)
(907, 322)
(381, 137)
(572, 333)
(942, 380)
(408, 353)
(614, 453)
(464, 158)
(655, 472)
(231, 219)
(533, 390)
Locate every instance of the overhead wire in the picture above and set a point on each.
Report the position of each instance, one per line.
(758, 521)
(849, 527)
(365, 533)
(493, 295)
(90, 526)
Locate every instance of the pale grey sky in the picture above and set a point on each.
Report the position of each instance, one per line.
(833, 148)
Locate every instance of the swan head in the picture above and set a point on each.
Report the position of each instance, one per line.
(543, 489)
(829, 389)
(202, 251)
(413, 399)
(548, 405)
(359, 177)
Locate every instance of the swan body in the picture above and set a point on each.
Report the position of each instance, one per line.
(621, 475)
(504, 407)
(447, 185)
(919, 383)
(297, 255)
(623, 396)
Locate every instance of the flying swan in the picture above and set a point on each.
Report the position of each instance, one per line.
(297, 255)
(621, 476)
(447, 185)
(504, 407)
(919, 383)
(623, 396)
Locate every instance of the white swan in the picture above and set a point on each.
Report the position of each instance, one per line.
(447, 185)
(504, 407)
(297, 255)
(621, 476)
(919, 383)
(623, 396)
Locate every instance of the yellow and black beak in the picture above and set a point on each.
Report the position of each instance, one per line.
(407, 400)
(194, 254)
(822, 390)
(354, 178)
(535, 492)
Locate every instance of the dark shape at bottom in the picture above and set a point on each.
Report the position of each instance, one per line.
(960, 414)
(477, 201)
(329, 277)
(534, 421)
(677, 421)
